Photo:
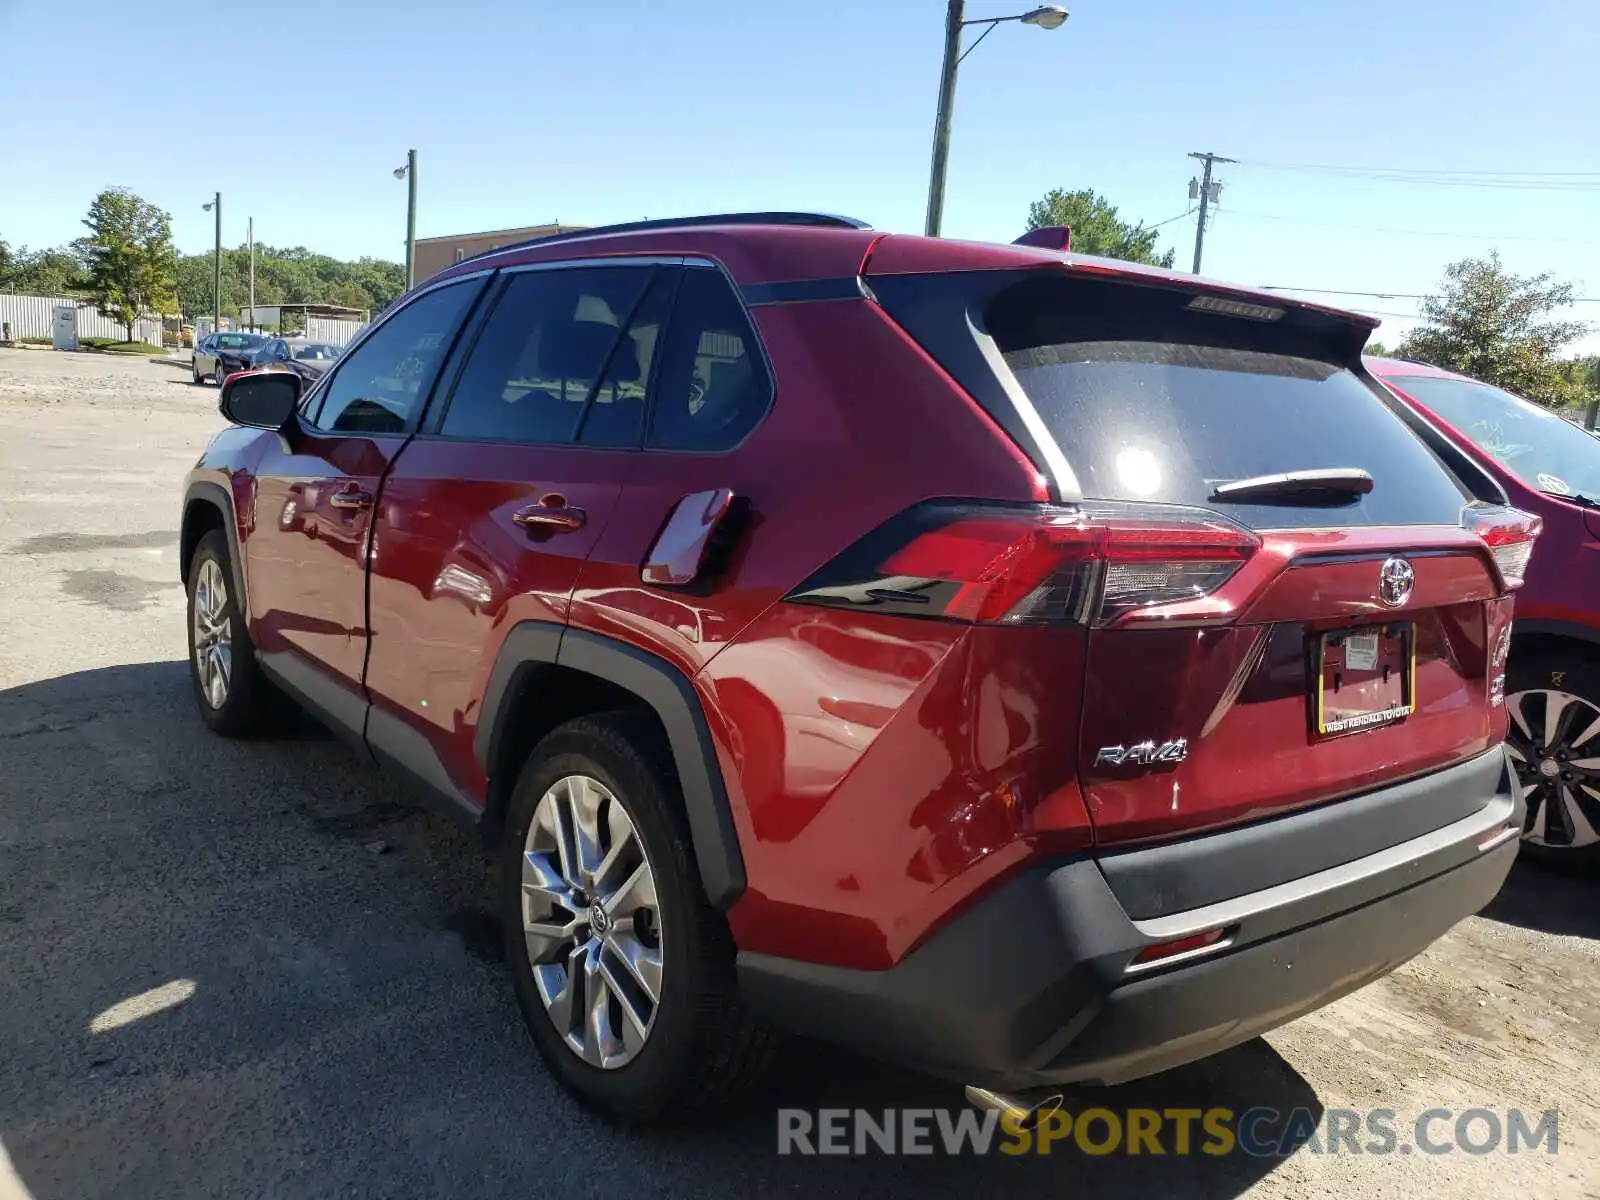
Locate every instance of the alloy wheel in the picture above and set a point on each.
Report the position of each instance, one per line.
(1555, 745)
(212, 634)
(591, 921)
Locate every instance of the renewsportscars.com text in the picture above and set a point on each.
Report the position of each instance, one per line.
(1260, 1132)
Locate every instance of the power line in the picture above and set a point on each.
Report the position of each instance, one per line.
(1281, 287)
(1419, 171)
(1576, 182)
(1186, 212)
(1490, 237)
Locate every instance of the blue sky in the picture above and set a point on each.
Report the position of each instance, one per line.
(525, 111)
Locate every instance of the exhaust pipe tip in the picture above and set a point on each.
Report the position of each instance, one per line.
(1029, 1108)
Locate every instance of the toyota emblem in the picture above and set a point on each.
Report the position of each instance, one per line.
(1394, 582)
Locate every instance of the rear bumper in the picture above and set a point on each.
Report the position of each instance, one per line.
(1035, 983)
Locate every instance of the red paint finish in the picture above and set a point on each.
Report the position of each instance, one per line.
(453, 570)
(1241, 695)
(1559, 585)
(889, 766)
(1257, 756)
(305, 555)
(882, 770)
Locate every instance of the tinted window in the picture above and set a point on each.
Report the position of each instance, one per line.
(240, 341)
(1538, 447)
(542, 352)
(385, 379)
(713, 384)
(314, 350)
(616, 412)
(1156, 420)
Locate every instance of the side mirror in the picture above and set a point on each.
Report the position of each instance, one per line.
(260, 399)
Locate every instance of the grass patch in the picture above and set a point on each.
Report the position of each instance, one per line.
(112, 346)
(36, 341)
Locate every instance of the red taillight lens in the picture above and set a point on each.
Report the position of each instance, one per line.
(1509, 533)
(1032, 566)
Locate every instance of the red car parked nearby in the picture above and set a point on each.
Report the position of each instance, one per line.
(1551, 467)
(1024, 666)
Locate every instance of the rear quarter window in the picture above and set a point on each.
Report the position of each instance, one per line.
(1170, 421)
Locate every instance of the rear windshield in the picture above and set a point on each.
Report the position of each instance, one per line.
(1170, 421)
(1543, 450)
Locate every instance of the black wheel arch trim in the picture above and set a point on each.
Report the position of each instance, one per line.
(205, 491)
(669, 694)
(1563, 629)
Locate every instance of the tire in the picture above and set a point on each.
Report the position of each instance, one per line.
(246, 703)
(1563, 822)
(699, 1049)
(194, 371)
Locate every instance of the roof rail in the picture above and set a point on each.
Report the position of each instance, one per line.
(814, 220)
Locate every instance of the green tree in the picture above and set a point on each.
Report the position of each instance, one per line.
(1096, 228)
(1377, 349)
(1492, 325)
(288, 276)
(132, 265)
(40, 272)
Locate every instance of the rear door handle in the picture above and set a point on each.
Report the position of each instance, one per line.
(350, 497)
(552, 512)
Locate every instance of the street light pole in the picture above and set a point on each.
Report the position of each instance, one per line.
(251, 241)
(1051, 16)
(410, 173)
(216, 265)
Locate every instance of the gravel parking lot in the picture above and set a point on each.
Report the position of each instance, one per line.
(323, 1012)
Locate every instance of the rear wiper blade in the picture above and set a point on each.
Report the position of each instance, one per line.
(1323, 485)
(1577, 498)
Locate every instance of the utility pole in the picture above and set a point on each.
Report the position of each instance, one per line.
(251, 237)
(1208, 196)
(953, 21)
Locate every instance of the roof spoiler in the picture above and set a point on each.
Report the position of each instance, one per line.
(1047, 237)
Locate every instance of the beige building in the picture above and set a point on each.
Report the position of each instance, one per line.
(434, 254)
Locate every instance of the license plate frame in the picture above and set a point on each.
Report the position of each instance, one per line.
(1346, 700)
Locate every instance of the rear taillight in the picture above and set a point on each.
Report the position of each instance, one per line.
(1509, 533)
(1036, 565)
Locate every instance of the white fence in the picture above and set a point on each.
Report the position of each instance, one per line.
(335, 333)
(34, 316)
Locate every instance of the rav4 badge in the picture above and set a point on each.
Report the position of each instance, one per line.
(1143, 754)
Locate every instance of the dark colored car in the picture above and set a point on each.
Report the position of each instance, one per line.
(221, 354)
(1006, 662)
(307, 359)
(1551, 467)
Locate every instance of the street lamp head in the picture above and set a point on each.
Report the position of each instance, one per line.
(1051, 16)
(400, 172)
(206, 206)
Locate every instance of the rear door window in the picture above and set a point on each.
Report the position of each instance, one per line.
(714, 386)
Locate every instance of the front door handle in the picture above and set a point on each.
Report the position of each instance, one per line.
(350, 497)
(551, 512)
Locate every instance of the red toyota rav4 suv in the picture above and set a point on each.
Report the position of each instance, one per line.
(1550, 467)
(1028, 667)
